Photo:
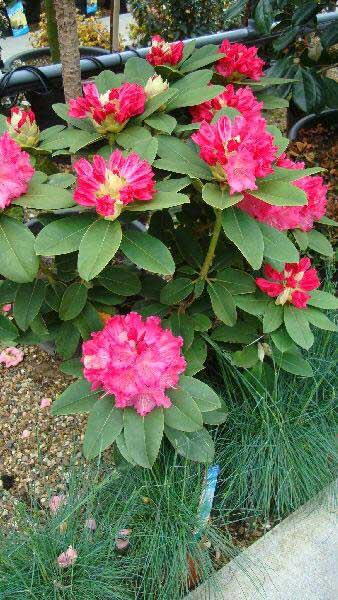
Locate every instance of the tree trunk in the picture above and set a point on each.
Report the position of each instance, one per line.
(52, 31)
(114, 24)
(69, 47)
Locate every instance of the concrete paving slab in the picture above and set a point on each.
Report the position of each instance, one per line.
(297, 560)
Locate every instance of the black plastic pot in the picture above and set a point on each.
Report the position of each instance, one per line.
(327, 117)
(42, 100)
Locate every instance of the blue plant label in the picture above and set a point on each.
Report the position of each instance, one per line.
(207, 498)
(17, 19)
(91, 7)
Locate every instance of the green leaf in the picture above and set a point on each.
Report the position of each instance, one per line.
(194, 96)
(77, 398)
(280, 193)
(54, 295)
(88, 321)
(273, 317)
(193, 80)
(281, 173)
(235, 281)
(329, 36)
(297, 326)
(201, 57)
(318, 319)
(28, 301)
(62, 111)
(188, 50)
(204, 396)
(255, 304)
(279, 139)
(201, 322)
(286, 38)
(73, 301)
(226, 111)
(63, 236)
(8, 331)
(293, 363)
(264, 15)
(213, 195)
(105, 423)
(176, 290)
(305, 12)
(46, 197)
(178, 157)
(67, 340)
(321, 299)
(98, 246)
(329, 222)
(318, 242)
(246, 358)
(147, 149)
(143, 435)
(245, 233)
(277, 245)
(173, 185)
(184, 413)
(51, 132)
(197, 445)
(181, 324)
(222, 302)
(8, 290)
(301, 239)
(63, 180)
(307, 92)
(81, 139)
(107, 80)
(147, 253)
(282, 340)
(73, 366)
(242, 333)
(138, 70)
(188, 247)
(105, 297)
(133, 135)
(162, 122)
(120, 280)
(196, 356)
(158, 102)
(160, 201)
(272, 102)
(18, 261)
(215, 417)
(122, 448)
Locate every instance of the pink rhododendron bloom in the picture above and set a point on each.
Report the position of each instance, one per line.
(242, 99)
(163, 53)
(11, 356)
(238, 151)
(6, 308)
(109, 112)
(109, 185)
(15, 170)
(136, 360)
(67, 558)
(19, 116)
(290, 285)
(56, 501)
(22, 127)
(239, 62)
(291, 217)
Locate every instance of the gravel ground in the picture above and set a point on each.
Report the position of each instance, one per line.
(36, 449)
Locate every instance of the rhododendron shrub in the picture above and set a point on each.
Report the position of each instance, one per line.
(181, 234)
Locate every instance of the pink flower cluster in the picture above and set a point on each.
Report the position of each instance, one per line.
(15, 171)
(163, 53)
(291, 217)
(238, 151)
(239, 62)
(109, 112)
(109, 185)
(67, 558)
(136, 360)
(242, 99)
(290, 285)
(19, 116)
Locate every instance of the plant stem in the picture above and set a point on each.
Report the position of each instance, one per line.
(212, 246)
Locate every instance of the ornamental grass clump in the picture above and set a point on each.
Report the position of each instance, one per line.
(181, 193)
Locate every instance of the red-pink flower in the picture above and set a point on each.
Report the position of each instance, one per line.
(136, 360)
(109, 185)
(239, 62)
(163, 53)
(22, 127)
(15, 171)
(242, 99)
(238, 151)
(6, 308)
(11, 356)
(19, 116)
(291, 217)
(56, 502)
(67, 558)
(290, 285)
(111, 111)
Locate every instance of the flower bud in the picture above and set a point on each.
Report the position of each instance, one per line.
(22, 127)
(155, 85)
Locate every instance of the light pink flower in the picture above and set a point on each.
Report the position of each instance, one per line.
(56, 501)
(15, 171)
(291, 217)
(45, 402)
(109, 185)
(239, 62)
(109, 112)
(11, 356)
(163, 53)
(6, 308)
(290, 285)
(67, 558)
(242, 99)
(25, 434)
(136, 360)
(238, 151)
(90, 524)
